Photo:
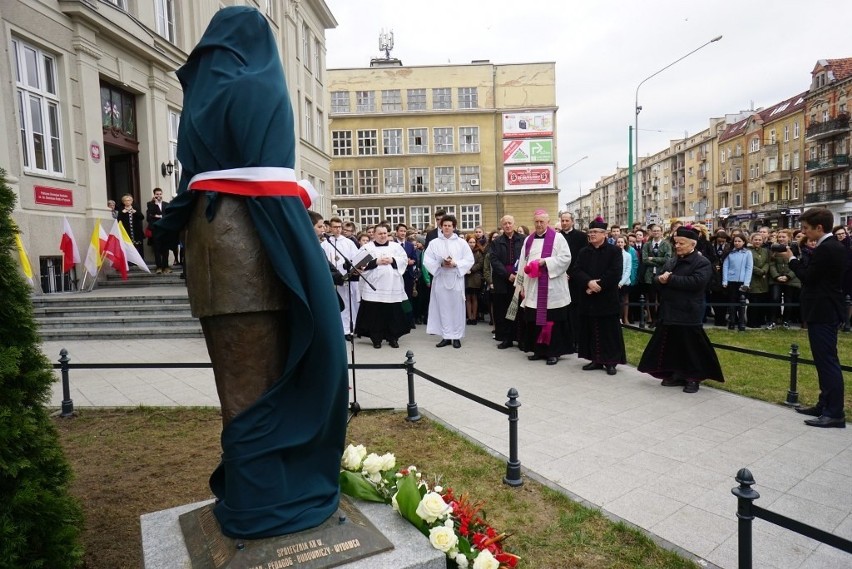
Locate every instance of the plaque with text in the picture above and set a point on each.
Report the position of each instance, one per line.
(344, 537)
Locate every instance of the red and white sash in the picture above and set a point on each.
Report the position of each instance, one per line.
(255, 182)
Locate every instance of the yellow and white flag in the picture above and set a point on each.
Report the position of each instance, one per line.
(130, 251)
(25, 261)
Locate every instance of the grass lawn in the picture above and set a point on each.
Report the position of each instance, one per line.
(130, 462)
(760, 378)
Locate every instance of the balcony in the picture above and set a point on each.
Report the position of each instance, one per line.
(828, 128)
(777, 176)
(770, 150)
(702, 155)
(827, 163)
(736, 161)
(828, 196)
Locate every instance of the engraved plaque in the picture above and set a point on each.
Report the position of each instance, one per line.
(344, 537)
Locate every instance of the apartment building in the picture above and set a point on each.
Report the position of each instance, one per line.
(477, 140)
(92, 107)
(828, 138)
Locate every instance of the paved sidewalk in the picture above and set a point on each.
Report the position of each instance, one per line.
(656, 457)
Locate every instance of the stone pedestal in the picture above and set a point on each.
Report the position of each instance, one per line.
(164, 547)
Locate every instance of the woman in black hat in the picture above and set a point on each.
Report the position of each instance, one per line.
(680, 352)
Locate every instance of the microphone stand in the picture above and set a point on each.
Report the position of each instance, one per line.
(354, 406)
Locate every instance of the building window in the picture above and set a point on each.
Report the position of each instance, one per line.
(795, 188)
(394, 180)
(341, 143)
(38, 109)
(795, 165)
(785, 162)
(166, 19)
(346, 213)
(442, 98)
(318, 60)
(368, 216)
(394, 216)
(738, 175)
(306, 46)
(755, 197)
(471, 217)
(417, 99)
(319, 140)
(365, 101)
(368, 143)
(755, 144)
(121, 4)
(448, 209)
(796, 129)
(418, 180)
(391, 100)
(468, 98)
(309, 121)
(469, 139)
(443, 139)
(786, 133)
(445, 179)
(340, 102)
(772, 137)
(174, 125)
(392, 141)
(469, 178)
(420, 216)
(738, 200)
(739, 151)
(344, 184)
(368, 182)
(418, 141)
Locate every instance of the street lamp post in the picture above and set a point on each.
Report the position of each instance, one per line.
(574, 163)
(637, 109)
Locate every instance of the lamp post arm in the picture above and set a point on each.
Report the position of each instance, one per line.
(702, 46)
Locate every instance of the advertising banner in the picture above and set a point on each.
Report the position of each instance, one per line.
(527, 125)
(529, 178)
(520, 151)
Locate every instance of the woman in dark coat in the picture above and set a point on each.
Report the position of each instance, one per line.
(680, 352)
(132, 219)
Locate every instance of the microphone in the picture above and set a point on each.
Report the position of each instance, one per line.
(326, 235)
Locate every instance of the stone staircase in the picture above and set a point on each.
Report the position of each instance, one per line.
(145, 306)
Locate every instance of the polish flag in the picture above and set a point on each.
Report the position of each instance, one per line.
(114, 250)
(68, 246)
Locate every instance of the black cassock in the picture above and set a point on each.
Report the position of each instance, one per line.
(600, 328)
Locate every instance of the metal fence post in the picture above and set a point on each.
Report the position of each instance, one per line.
(846, 318)
(513, 466)
(792, 393)
(67, 403)
(746, 495)
(413, 413)
(642, 305)
(742, 312)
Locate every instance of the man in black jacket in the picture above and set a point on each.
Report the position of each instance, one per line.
(576, 240)
(504, 253)
(823, 310)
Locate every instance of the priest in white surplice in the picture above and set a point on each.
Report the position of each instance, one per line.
(348, 291)
(542, 278)
(381, 316)
(448, 259)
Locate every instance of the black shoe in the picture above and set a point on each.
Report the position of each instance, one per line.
(348, 337)
(812, 411)
(474, 322)
(505, 344)
(825, 422)
(673, 382)
(591, 366)
(610, 370)
(443, 343)
(457, 344)
(535, 357)
(731, 326)
(393, 343)
(691, 387)
(552, 361)
(377, 345)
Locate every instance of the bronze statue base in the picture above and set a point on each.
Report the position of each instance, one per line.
(344, 537)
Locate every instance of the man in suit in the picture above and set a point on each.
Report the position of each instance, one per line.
(433, 233)
(503, 254)
(822, 309)
(576, 240)
(154, 212)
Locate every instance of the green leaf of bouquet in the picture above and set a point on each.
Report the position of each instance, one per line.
(407, 499)
(353, 484)
(464, 546)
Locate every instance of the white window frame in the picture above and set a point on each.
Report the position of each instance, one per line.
(319, 139)
(443, 139)
(466, 174)
(391, 141)
(738, 200)
(394, 180)
(368, 216)
(469, 139)
(165, 16)
(755, 197)
(365, 101)
(395, 215)
(471, 217)
(468, 98)
(340, 101)
(796, 130)
(391, 100)
(368, 142)
(120, 4)
(786, 133)
(420, 216)
(344, 182)
(346, 214)
(416, 99)
(41, 96)
(442, 98)
(317, 60)
(418, 180)
(174, 127)
(755, 144)
(308, 127)
(445, 179)
(368, 181)
(341, 143)
(423, 147)
(448, 209)
(306, 46)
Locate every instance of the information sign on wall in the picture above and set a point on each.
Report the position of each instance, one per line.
(527, 125)
(53, 196)
(529, 178)
(535, 151)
